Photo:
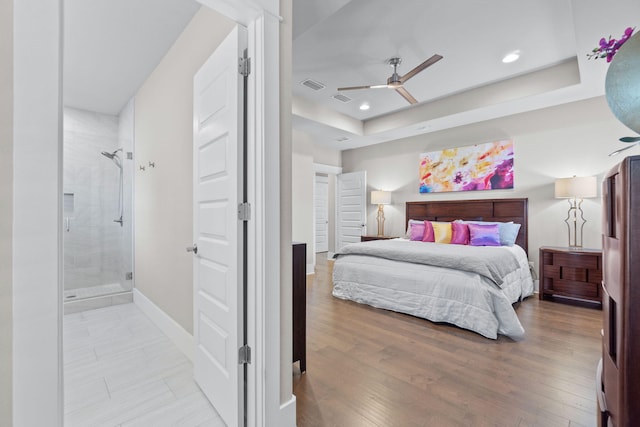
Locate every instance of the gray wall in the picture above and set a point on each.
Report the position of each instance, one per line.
(6, 208)
(164, 194)
(558, 142)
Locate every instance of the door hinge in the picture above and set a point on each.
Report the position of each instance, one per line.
(244, 66)
(244, 355)
(244, 211)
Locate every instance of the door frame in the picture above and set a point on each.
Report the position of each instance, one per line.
(37, 226)
(315, 217)
(335, 171)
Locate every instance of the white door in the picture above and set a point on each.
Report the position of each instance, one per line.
(352, 212)
(218, 182)
(321, 206)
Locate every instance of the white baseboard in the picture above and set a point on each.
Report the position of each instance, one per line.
(288, 413)
(311, 269)
(176, 333)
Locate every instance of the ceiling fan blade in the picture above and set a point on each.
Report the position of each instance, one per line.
(615, 153)
(362, 87)
(435, 58)
(406, 95)
(630, 139)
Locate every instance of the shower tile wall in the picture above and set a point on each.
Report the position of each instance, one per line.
(93, 243)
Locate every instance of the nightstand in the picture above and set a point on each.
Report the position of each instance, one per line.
(571, 275)
(369, 238)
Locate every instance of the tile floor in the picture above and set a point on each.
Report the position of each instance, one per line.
(120, 370)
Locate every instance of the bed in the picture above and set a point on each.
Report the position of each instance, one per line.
(471, 287)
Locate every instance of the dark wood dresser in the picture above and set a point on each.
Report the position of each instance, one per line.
(300, 304)
(571, 275)
(620, 385)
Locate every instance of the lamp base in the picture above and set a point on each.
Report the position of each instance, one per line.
(575, 215)
(380, 220)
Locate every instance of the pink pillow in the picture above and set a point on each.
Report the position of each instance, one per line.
(484, 234)
(459, 233)
(416, 231)
(429, 235)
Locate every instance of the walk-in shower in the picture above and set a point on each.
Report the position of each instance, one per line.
(97, 200)
(118, 162)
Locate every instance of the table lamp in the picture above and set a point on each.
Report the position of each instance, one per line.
(575, 189)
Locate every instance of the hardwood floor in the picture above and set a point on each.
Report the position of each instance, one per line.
(371, 367)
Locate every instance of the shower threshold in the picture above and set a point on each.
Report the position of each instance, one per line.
(90, 298)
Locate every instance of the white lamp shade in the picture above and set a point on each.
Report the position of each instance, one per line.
(576, 187)
(380, 197)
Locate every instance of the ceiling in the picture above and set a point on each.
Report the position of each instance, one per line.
(347, 43)
(111, 46)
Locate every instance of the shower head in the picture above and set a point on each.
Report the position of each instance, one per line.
(111, 155)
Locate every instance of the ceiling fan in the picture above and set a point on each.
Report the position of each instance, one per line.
(633, 140)
(396, 81)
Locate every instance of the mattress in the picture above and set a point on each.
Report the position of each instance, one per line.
(463, 298)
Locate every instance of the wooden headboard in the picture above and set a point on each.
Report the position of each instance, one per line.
(502, 210)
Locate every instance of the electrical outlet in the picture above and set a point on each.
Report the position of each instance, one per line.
(531, 265)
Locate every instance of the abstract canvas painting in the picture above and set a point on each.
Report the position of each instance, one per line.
(486, 166)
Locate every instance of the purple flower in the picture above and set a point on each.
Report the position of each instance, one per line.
(609, 47)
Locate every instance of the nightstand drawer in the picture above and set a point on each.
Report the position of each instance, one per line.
(573, 289)
(576, 260)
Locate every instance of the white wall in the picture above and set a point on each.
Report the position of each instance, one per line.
(303, 175)
(6, 207)
(286, 281)
(164, 193)
(37, 220)
(305, 155)
(563, 141)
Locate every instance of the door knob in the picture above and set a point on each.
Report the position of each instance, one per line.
(193, 248)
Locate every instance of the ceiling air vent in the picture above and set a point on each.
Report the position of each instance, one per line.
(312, 84)
(342, 98)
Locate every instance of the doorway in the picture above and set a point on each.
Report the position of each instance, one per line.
(37, 323)
(321, 210)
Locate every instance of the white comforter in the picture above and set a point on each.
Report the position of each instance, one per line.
(465, 299)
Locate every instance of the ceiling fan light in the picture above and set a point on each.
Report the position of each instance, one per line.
(511, 57)
(365, 106)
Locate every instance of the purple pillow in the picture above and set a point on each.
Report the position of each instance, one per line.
(417, 231)
(429, 235)
(459, 233)
(484, 234)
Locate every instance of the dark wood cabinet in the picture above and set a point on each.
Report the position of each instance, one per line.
(620, 381)
(571, 275)
(300, 304)
(369, 238)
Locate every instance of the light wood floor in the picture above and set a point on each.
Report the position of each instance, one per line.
(371, 367)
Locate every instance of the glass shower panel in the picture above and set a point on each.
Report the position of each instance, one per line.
(97, 218)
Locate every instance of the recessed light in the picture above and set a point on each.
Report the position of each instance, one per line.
(511, 57)
(365, 106)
